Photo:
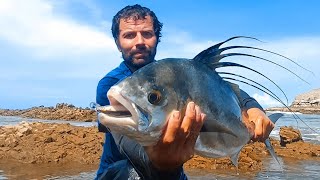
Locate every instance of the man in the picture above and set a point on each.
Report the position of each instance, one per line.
(137, 32)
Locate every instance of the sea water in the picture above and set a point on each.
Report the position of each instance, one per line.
(288, 168)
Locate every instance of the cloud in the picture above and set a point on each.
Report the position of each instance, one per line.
(266, 101)
(34, 24)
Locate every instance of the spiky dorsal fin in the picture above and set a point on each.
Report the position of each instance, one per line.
(210, 55)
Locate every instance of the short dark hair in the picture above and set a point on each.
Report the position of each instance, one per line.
(136, 12)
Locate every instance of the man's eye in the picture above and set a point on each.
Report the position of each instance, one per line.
(129, 36)
(147, 35)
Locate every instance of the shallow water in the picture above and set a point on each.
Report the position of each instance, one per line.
(14, 170)
(14, 120)
(289, 169)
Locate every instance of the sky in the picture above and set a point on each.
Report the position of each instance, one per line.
(57, 51)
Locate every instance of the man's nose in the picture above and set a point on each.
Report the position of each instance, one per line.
(140, 39)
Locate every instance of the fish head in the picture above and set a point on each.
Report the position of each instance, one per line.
(139, 105)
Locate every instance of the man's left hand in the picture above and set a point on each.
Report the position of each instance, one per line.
(263, 125)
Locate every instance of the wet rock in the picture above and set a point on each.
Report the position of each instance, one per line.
(49, 140)
(23, 129)
(51, 143)
(63, 143)
(289, 135)
(62, 111)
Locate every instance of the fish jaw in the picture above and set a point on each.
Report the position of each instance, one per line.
(123, 116)
(120, 112)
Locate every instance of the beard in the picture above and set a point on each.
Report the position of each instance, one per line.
(139, 58)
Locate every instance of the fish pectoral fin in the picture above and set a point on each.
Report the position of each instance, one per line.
(275, 116)
(271, 150)
(234, 158)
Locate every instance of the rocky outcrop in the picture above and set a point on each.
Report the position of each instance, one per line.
(40, 143)
(307, 103)
(62, 111)
(289, 135)
(309, 99)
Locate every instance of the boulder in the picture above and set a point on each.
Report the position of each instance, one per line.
(289, 135)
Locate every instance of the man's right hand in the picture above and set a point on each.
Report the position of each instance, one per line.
(176, 145)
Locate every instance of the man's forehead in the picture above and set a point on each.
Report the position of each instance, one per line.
(134, 20)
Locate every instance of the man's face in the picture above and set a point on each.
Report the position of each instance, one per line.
(137, 41)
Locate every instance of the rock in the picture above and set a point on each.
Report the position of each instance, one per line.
(306, 103)
(309, 99)
(23, 129)
(289, 135)
(62, 111)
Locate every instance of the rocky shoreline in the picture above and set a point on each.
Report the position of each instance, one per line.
(42, 143)
(306, 103)
(303, 110)
(39, 143)
(62, 111)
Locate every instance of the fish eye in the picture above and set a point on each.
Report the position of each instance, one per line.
(154, 97)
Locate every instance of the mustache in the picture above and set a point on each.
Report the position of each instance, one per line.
(145, 51)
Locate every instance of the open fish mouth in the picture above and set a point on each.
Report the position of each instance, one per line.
(116, 114)
(120, 112)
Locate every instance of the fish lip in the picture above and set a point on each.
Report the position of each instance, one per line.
(139, 116)
(118, 102)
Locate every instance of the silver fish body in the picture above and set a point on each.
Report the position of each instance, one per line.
(152, 92)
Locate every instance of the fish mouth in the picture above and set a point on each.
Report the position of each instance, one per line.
(121, 112)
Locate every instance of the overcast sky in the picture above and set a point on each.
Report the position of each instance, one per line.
(56, 51)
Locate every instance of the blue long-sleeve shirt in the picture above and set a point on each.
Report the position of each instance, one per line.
(124, 148)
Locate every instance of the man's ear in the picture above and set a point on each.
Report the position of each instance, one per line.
(118, 45)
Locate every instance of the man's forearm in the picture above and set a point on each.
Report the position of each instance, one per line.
(248, 102)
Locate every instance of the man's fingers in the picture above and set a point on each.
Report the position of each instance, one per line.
(269, 126)
(188, 120)
(173, 127)
(195, 130)
(258, 128)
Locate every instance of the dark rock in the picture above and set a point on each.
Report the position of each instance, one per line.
(289, 135)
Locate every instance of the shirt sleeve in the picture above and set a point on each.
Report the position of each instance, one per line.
(103, 87)
(248, 102)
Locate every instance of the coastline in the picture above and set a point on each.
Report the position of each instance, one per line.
(46, 143)
(303, 110)
(62, 111)
(55, 144)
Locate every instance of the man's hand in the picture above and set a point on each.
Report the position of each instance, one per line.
(176, 146)
(263, 125)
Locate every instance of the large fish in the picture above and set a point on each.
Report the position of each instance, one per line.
(140, 104)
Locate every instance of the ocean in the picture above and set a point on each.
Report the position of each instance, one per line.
(289, 168)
